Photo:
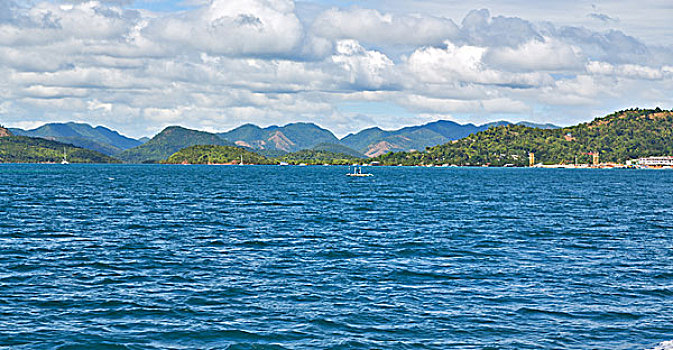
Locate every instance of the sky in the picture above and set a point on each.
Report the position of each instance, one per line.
(139, 66)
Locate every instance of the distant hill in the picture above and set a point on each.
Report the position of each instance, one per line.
(288, 138)
(100, 139)
(169, 141)
(275, 141)
(210, 154)
(375, 141)
(538, 125)
(23, 149)
(618, 137)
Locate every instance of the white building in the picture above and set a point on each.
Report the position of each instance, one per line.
(656, 161)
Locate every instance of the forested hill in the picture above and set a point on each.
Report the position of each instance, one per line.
(618, 137)
(22, 149)
(216, 154)
(169, 141)
(83, 135)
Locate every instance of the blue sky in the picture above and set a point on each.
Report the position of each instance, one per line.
(138, 66)
(166, 6)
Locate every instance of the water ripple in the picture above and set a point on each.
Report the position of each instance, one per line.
(174, 257)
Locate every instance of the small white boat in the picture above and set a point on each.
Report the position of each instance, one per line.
(241, 160)
(65, 158)
(357, 172)
(283, 164)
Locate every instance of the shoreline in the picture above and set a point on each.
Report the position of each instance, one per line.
(608, 166)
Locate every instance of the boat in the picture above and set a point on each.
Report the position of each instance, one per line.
(65, 158)
(241, 160)
(283, 164)
(357, 172)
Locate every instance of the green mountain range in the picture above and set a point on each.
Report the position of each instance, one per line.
(169, 141)
(375, 141)
(100, 139)
(617, 137)
(23, 149)
(273, 141)
(289, 138)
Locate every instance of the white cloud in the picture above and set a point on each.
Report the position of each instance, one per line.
(581, 90)
(372, 26)
(364, 68)
(235, 28)
(96, 105)
(546, 54)
(631, 71)
(436, 105)
(465, 64)
(224, 63)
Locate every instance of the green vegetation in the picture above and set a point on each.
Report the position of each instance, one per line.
(618, 137)
(374, 141)
(209, 154)
(169, 141)
(22, 149)
(269, 153)
(317, 157)
(289, 138)
(212, 154)
(99, 139)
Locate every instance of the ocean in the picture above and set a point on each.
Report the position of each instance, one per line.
(269, 257)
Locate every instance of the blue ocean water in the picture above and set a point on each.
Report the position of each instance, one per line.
(254, 257)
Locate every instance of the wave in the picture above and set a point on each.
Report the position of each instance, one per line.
(666, 345)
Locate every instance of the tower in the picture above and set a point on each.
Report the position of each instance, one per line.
(596, 158)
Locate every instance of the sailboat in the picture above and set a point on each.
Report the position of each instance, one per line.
(357, 172)
(65, 158)
(241, 160)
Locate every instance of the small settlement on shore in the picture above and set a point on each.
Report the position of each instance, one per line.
(659, 162)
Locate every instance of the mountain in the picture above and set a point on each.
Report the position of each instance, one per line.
(289, 138)
(375, 141)
(538, 125)
(4, 132)
(23, 149)
(275, 141)
(618, 137)
(169, 141)
(100, 139)
(337, 148)
(212, 154)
